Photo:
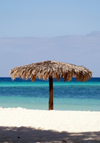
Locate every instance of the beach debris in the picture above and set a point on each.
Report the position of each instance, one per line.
(18, 137)
(1, 107)
(63, 141)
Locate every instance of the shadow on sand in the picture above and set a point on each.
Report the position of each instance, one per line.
(32, 135)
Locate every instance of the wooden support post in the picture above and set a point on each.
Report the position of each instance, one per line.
(50, 93)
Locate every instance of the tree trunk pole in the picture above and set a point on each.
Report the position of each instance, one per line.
(50, 93)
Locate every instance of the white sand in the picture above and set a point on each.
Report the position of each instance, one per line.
(70, 121)
(18, 125)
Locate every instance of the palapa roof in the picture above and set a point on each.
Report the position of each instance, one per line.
(56, 69)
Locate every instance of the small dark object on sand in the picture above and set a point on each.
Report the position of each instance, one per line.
(18, 137)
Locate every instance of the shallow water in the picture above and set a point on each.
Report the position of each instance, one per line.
(34, 95)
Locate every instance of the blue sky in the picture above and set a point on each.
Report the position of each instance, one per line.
(41, 18)
(37, 30)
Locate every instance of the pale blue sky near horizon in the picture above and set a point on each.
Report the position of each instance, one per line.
(47, 20)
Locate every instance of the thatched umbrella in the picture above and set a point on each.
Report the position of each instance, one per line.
(49, 70)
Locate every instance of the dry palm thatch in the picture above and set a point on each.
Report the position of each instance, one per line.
(55, 69)
(49, 70)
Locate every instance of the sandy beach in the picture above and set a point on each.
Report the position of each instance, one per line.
(24, 125)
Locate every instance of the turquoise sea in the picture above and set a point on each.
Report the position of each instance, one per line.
(72, 95)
